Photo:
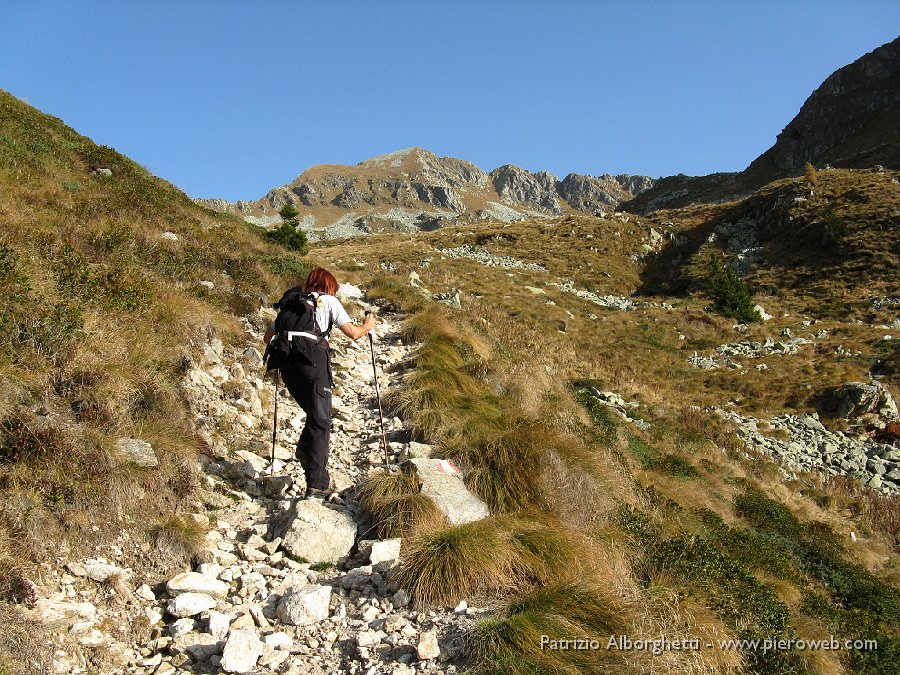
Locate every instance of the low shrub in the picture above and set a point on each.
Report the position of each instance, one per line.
(731, 295)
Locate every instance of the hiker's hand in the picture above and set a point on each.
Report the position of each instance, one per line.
(369, 323)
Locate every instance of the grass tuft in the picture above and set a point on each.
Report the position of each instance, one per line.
(518, 642)
(395, 507)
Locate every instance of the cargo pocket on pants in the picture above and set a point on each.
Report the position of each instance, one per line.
(323, 404)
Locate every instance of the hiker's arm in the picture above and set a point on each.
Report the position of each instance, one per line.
(269, 334)
(354, 332)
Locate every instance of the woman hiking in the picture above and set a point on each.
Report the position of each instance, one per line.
(305, 318)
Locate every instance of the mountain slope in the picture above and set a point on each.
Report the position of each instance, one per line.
(414, 189)
(109, 278)
(852, 120)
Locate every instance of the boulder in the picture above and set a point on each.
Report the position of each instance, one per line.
(319, 533)
(519, 187)
(856, 400)
(101, 571)
(301, 606)
(199, 646)
(137, 452)
(242, 651)
(60, 614)
(190, 604)
(443, 484)
(193, 582)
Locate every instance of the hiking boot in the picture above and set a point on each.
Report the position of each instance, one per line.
(320, 495)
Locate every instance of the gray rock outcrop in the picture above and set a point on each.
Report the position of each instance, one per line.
(443, 484)
(519, 187)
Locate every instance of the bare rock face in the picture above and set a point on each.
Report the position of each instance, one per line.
(414, 189)
(519, 187)
(863, 401)
(836, 121)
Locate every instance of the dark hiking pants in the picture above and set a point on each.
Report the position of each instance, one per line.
(310, 385)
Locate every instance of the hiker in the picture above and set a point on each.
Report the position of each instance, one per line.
(305, 365)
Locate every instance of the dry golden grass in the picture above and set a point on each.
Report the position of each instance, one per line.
(395, 507)
(491, 557)
(182, 535)
(24, 648)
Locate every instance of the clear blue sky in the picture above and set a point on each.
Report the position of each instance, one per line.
(229, 99)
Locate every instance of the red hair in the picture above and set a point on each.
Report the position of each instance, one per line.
(321, 280)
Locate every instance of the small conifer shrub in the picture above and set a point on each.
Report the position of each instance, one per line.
(731, 294)
(289, 234)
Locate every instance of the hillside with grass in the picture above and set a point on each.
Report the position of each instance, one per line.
(628, 496)
(110, 279)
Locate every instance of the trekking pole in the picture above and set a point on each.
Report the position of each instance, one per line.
(274, 426)
(387, 461)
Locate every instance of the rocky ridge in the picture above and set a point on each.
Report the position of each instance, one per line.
(281, 585)
(414, 189)
(849, 121)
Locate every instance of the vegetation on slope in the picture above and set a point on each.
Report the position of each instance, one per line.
(98, 315)
(683, 532)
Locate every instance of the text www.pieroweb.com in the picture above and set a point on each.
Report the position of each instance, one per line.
(657, 646)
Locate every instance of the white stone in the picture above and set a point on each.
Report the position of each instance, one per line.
(94, 638)
(199, 646)
(281, 641)
(242, 651)
(219, 624)
(211, 570)
(101, 571)
(349, 292)
(190, 604)
(318, 533)
(61, 614)
(193, 582)
(182, 627)
(367, 638)
(153, 615)
(443, 484)
(387, 551)
(428, 646)
(762, 312)
(305, 605)
(144, 592)
(169, 236)
(137, 452)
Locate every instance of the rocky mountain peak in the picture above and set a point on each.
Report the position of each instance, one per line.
(413, 188)
(851, 103)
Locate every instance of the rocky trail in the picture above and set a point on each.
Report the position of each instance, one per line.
(283, 584)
